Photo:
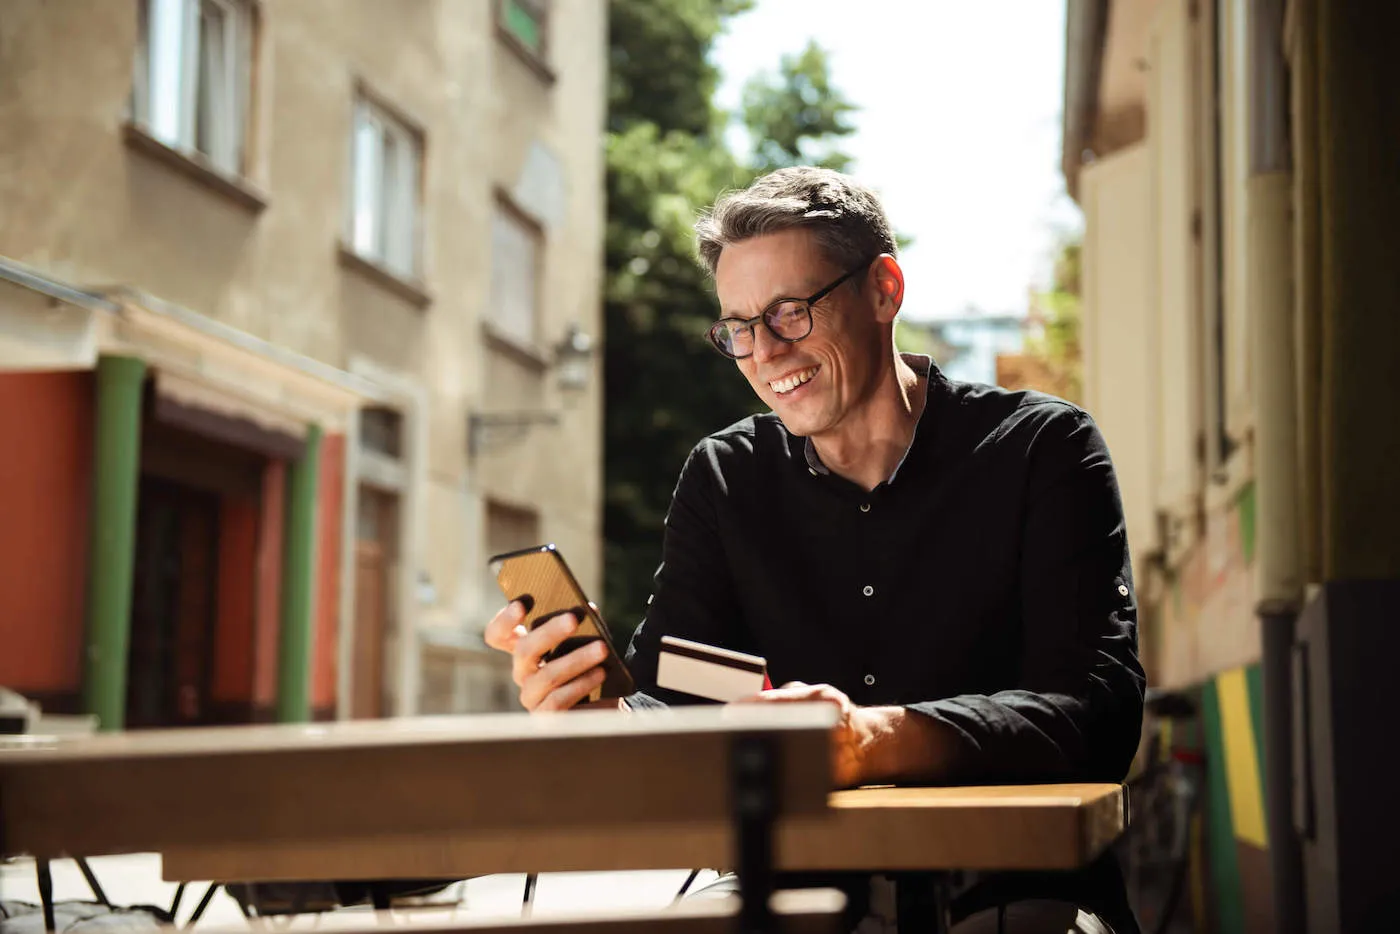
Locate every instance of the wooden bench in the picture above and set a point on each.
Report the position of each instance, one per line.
(323, 788)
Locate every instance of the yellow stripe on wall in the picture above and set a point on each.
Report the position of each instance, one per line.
(1241, 761)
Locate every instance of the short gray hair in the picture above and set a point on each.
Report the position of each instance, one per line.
(845, 217)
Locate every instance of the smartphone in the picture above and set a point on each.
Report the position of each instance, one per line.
(541, 580)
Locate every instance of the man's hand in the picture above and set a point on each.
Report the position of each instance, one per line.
(555, 685)
(855, 734)
(878, 745)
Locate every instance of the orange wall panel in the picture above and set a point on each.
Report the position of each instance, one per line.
(267, 610)
(330, 494)
(237, 600)
(46, 427)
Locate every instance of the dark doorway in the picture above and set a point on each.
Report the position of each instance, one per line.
(175, 583)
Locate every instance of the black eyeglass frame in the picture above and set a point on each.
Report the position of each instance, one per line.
(762, 317)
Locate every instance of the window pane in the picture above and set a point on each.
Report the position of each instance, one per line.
(213, 101)
(166, 51)
(368, 157)
(514, 269)
(525, 21)
(394, 237)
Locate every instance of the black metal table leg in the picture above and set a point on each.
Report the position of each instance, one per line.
(97, 892)
(45, 874)
(527, 901)
(755, 784)
(922, 903)
(203, 904)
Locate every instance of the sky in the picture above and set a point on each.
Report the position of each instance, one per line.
(958, 129)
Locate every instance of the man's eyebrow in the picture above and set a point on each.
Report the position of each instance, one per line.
(800, 294)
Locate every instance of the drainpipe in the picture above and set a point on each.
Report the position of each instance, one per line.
(1278, 568)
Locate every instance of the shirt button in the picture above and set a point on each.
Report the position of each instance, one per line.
(1122, 590)
(812, 471)
(864, 507)
(869, 680)
(868, 590)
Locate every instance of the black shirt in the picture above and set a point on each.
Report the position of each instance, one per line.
(986, 584)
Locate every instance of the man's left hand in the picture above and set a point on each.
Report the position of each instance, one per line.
(856, 730)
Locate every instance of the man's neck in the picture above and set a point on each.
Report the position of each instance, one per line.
(868, 448)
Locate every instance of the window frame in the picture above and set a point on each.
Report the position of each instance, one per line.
(536, 59)
(506, 207)
(229, 119)
(394, 228)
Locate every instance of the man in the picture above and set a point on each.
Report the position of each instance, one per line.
(944, 562)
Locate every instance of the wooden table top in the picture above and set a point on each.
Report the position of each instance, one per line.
(454, 797)
(152, 790)
(865, 829)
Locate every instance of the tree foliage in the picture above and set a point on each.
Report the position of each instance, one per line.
(667, 159)
(1057, 348)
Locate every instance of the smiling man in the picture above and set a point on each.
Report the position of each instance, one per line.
(945, 562)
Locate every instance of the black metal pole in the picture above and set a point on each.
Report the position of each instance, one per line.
(45, 873)
(1285, 851)
(755, 804)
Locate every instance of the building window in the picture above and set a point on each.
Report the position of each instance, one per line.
(381, 431)
(516, 248)
(527, 22)
(385, 199)
(193, 73)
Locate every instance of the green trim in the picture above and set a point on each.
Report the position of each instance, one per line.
(116, 465)
(1246, 509)
(1220, 829)
(298, 584)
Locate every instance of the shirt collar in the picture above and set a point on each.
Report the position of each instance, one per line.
(922, 364)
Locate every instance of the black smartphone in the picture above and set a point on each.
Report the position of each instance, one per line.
(541, 580)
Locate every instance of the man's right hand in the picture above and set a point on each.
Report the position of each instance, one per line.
(553, 685)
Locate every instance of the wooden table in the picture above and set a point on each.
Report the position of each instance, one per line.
(457, 797)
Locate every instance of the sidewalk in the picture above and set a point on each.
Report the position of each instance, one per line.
(135, 879)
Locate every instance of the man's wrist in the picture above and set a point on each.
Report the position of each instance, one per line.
(902, 747)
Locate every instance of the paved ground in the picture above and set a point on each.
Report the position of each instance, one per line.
(136, 879)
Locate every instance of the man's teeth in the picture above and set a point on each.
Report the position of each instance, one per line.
(788, 384)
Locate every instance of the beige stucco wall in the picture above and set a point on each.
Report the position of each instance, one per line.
(79, 203)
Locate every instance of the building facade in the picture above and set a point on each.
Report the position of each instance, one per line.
(287, 289)
(1234, 162)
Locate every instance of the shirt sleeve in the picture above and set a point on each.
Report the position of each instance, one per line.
(693, 591)
(1075, 713)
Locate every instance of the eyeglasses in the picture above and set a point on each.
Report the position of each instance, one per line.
(787, 319)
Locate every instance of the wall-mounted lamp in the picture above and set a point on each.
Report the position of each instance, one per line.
(572, 365)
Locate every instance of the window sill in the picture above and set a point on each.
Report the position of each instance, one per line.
(523, 52)
(528, 354)
(195, 167)
(409, 290)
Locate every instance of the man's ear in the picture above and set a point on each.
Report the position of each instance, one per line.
(888, 281)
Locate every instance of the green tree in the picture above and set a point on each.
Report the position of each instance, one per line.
(666, 161)
(1058, 346)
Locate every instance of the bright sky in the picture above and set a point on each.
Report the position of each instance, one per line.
(958, 128)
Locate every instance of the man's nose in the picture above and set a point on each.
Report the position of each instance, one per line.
(765, 345)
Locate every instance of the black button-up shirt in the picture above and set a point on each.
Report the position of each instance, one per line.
(986, 584)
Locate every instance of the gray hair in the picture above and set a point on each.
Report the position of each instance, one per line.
(845, 217)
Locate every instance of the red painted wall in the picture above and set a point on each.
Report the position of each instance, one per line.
(46, 428)
(267, 609)
(237, 601)
(330, 494)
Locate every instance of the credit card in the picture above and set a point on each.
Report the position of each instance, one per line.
(708, 671)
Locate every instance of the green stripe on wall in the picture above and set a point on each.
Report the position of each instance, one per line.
(1246, 510)
(1220, 829)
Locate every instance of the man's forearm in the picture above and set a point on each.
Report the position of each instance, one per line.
(902, 747)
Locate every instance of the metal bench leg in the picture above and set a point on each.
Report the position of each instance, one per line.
(754, 788)
(203, 904)
(527, 901)
(175, 902)
(45, 873)
(922, 903)
(97, 892)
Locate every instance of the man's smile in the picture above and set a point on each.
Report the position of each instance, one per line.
(791, 381)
